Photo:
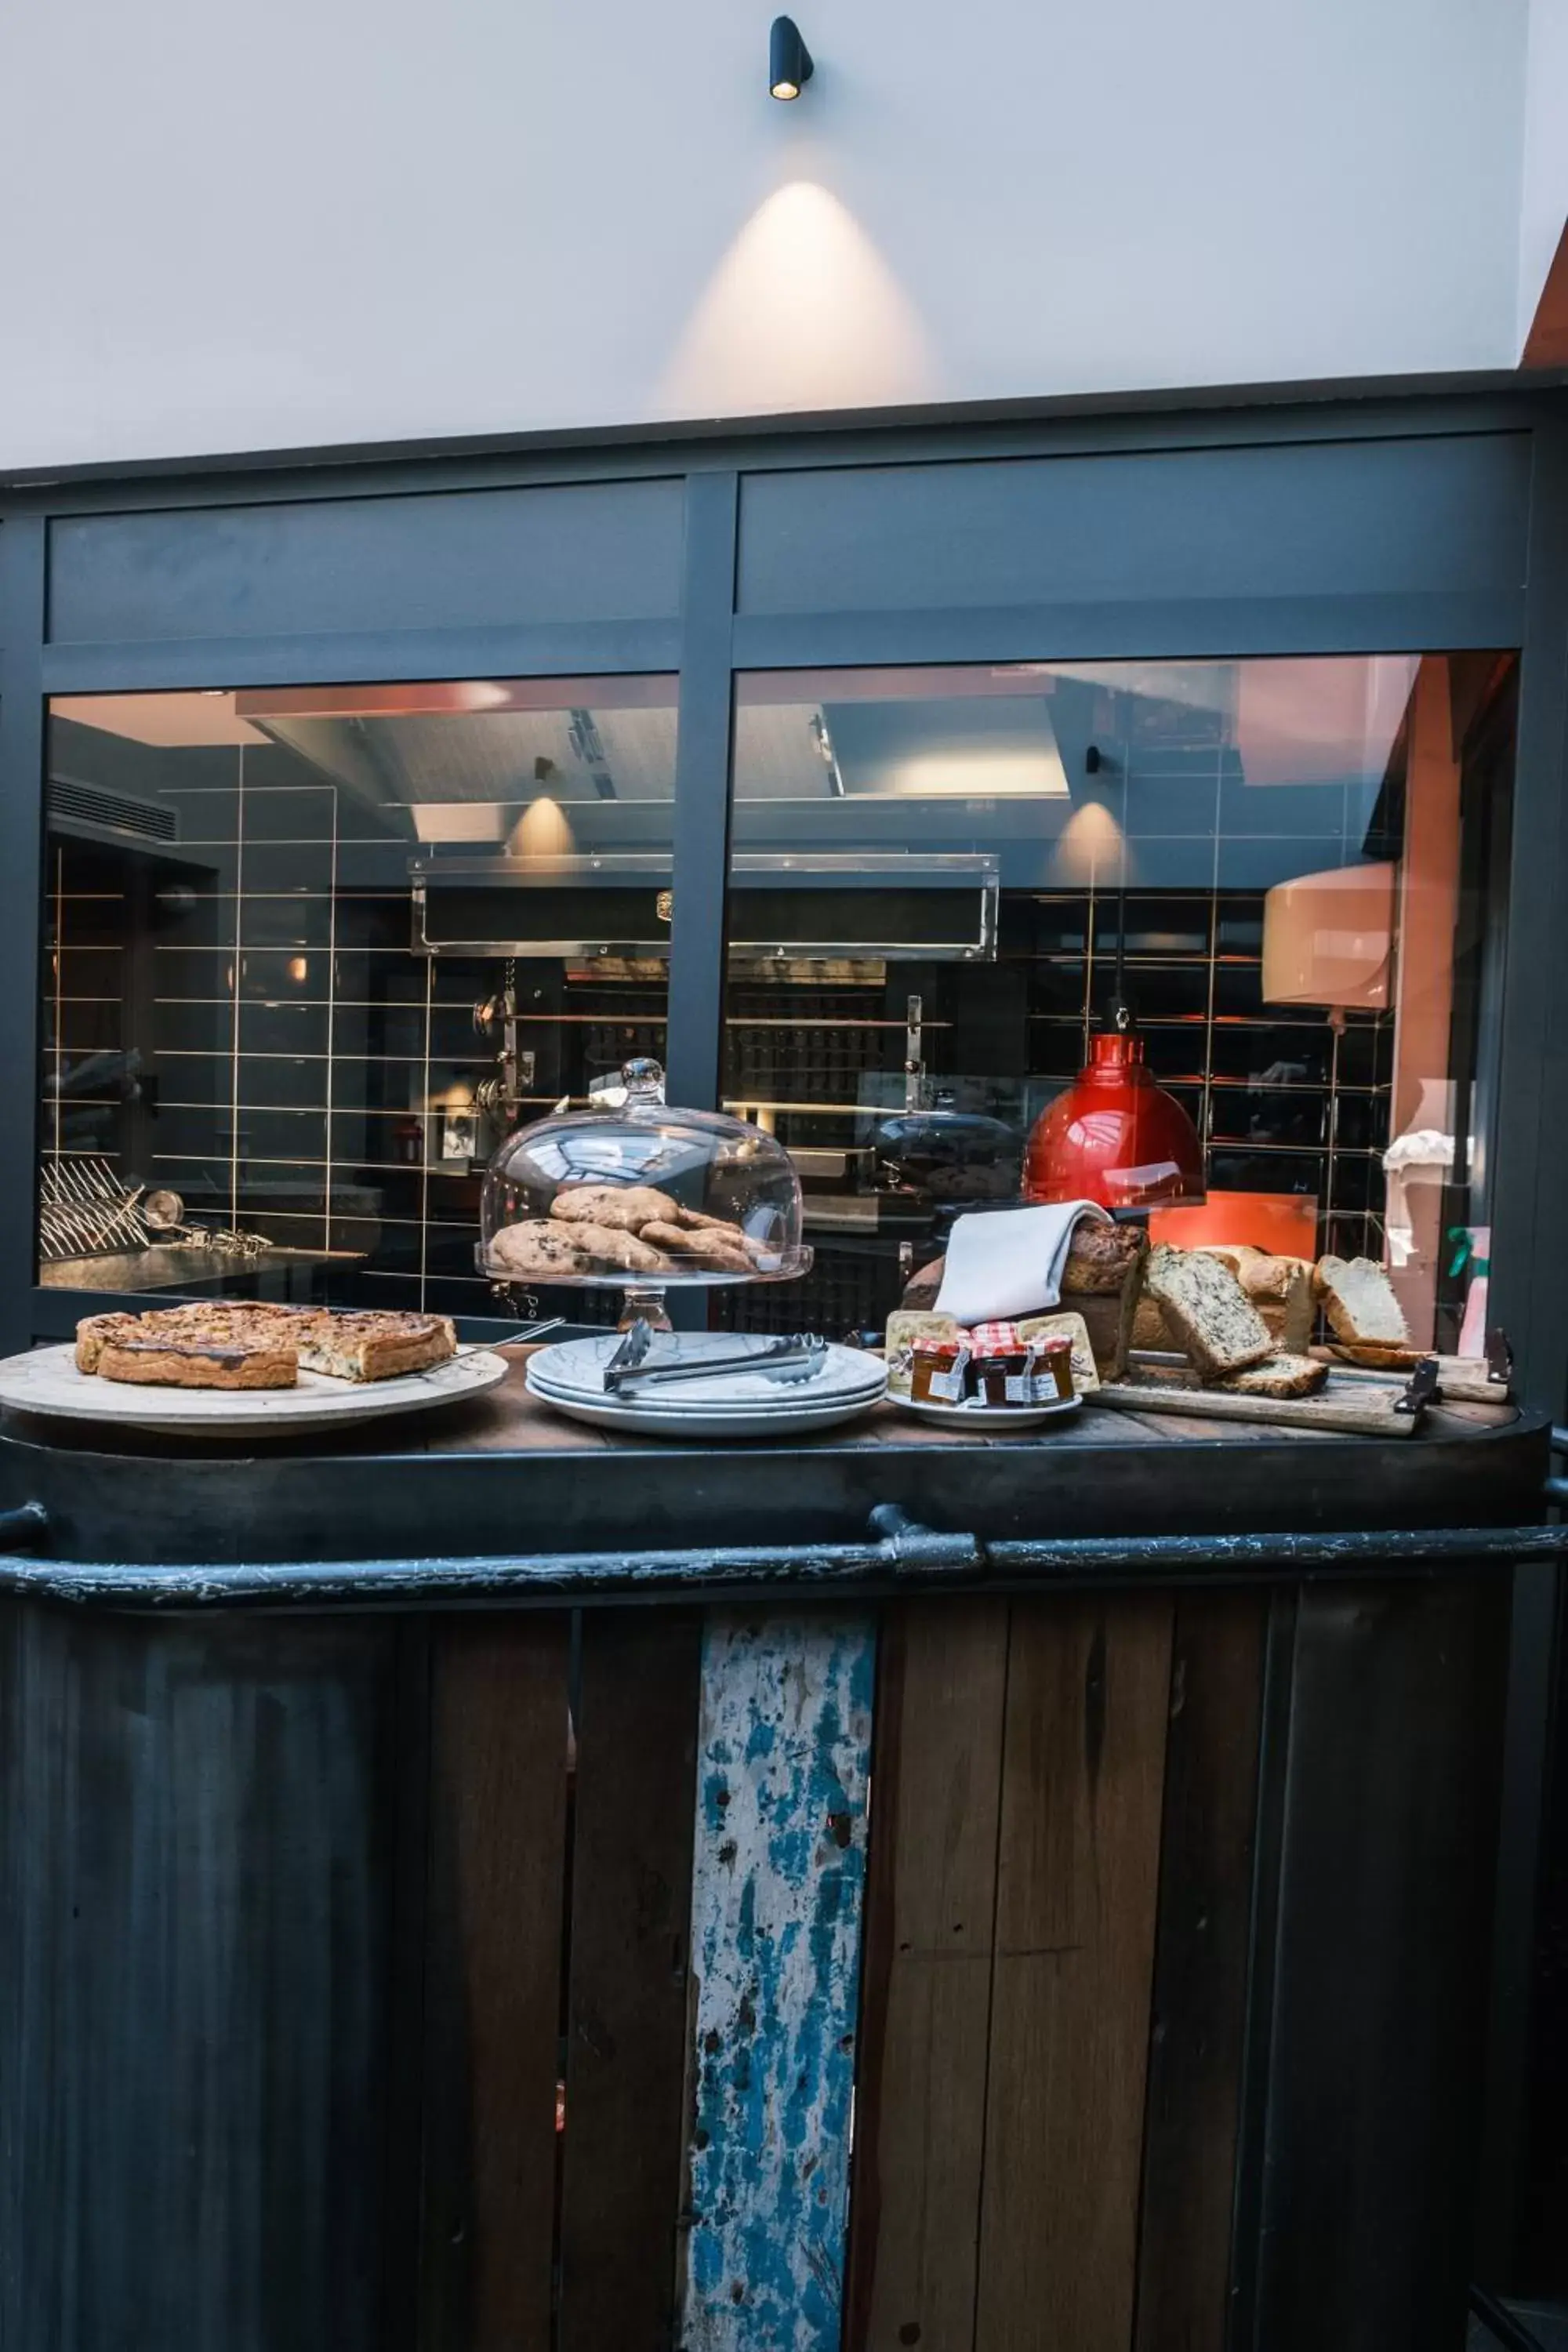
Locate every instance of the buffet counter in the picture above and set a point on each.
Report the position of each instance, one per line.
(471, 1497)
(442, 1901)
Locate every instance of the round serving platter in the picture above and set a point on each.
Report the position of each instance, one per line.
(46, 1382)
(570, 1379)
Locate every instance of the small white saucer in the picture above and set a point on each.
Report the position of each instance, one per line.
(985, 1417)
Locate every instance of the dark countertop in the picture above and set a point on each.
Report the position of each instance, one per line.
(500, 1498)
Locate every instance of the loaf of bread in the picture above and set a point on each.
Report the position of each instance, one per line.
(1279, 1288)
(1206, 1310)
(1360, 1303)
(1100, 1259)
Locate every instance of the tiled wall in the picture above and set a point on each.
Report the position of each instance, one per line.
(270, 1048)
(286, 1045)
(1283, 1103)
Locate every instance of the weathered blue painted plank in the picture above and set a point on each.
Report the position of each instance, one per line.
(778, 1879)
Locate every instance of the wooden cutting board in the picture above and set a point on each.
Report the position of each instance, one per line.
(1461, 1380)
(1351, 1404)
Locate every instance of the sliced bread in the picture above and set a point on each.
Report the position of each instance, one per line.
(1206, 1310)
(1360, 1303)
(1279, 1288)
(1276, 1376)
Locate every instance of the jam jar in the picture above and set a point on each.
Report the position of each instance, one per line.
(1002, 1378)
(938, 1373)
(1053, 1370)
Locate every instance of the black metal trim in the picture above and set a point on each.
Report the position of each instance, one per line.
(701, 875)
(898, 1550)
(24, 555)
(1336, 408)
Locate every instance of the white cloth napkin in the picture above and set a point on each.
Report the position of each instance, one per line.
(1009, 1262)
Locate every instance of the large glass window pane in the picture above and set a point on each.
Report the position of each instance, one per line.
(310, 953)
(1291, 870)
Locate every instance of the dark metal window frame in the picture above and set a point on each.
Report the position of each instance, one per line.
(709, 641)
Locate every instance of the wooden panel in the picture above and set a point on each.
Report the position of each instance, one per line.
(1326, 519)
(498, 1813)
(576, 551)
(920, 2112)
(778, 1879)
(194, 1855)
(1200, 1972)
(627, 2039)
(1384, 1950)
(1083, 1762)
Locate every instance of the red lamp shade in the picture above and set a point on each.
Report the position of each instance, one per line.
(1115, 1137)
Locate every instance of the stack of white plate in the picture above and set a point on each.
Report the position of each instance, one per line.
(731, 1404)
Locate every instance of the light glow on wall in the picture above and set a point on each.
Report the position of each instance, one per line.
(1092, 853)
(801, 312)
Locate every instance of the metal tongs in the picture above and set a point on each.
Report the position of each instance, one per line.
(798, 1358)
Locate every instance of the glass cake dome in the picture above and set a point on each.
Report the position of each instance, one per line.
(641, 1196)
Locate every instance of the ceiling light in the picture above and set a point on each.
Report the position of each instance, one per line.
(789, 59)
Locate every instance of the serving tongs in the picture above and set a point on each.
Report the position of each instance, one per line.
(798, 1358)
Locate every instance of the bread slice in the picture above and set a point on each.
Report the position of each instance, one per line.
(1360, 1303)
(375, 1344)
(1373, 1358)
(1276, 1376)
(1206, 1308)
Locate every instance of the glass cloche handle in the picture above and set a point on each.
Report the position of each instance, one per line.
(643, 1079)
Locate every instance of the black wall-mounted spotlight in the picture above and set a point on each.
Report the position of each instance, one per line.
(789, 59)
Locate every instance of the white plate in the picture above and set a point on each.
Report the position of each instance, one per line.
(709, 1421)
(46, 1380)
(574, 1372)
(986, 1416)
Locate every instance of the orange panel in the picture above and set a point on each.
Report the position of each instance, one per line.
(1285, 1222)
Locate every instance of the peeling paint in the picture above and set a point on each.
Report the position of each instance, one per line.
(778, 1880)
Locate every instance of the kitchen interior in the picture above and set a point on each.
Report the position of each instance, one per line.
(312, 953)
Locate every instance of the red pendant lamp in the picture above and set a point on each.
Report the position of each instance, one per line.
(1115, 1137)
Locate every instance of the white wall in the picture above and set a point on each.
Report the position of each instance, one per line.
(229, 227)
(1544, 206)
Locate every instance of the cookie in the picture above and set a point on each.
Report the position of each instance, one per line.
(724, 1231)
(612, 1245)
(538, 1248)
(701, 1248)
(618, 1208)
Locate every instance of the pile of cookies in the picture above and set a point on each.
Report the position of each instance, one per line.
(613, 1229)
